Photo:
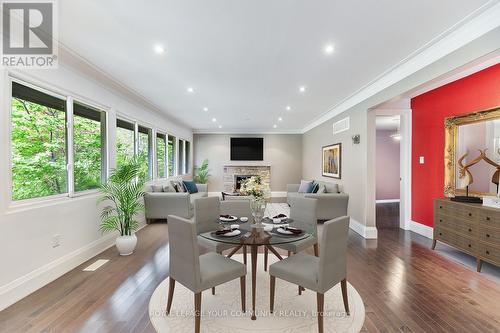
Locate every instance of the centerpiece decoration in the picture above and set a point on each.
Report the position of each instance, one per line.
(258, 192)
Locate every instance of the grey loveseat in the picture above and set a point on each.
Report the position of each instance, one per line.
(331, 204)
(159, 205)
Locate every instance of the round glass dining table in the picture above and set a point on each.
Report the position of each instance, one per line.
(254, 238)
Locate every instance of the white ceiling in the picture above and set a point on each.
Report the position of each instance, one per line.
(247, 59)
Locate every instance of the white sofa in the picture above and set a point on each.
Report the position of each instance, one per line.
(158, 205)
(331, 204)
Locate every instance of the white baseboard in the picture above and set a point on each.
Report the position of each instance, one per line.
(363, 230)
(387, 200)
(274, 194)
(36, 279)
(422, 229)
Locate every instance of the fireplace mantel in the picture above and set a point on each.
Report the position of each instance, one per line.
(231, 171)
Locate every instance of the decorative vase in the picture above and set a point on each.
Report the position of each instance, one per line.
(126, 244)
(258, 209)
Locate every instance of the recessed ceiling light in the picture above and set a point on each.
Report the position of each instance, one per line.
(288, 108)
(205, 109)
(214, 120)
(220, 126)
(280, 119)
(329, 49)
(190, 90)
(302, 89)
(159, 49)
(275, 126)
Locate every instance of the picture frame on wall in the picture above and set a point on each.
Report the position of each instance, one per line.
(332, 161)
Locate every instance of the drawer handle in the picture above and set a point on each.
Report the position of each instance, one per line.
(470, 214)
(487, 252)
(487, 235)
(470, 230)
(487, 218)
(440, 220)
(470, 245)
(440, 234)
(440, 207)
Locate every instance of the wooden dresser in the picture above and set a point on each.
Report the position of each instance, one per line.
(471, 228)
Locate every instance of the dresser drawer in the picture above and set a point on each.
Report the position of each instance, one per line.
(489, 235)
(490, 253)
(458, 241)
(489, 218)
(460, 226)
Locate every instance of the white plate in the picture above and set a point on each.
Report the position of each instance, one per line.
(284, 232)
(232, 233)
(232, 219)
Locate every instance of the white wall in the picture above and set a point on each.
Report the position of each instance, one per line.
(28, 259)
(283, 152)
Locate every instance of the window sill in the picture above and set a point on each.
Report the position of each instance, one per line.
(30, 204)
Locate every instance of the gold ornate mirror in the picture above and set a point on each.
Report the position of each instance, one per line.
(472, 153)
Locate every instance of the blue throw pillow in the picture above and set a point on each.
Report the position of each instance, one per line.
(190, 186)
(305, 186)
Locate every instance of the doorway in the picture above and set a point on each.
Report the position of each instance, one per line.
(388, 176)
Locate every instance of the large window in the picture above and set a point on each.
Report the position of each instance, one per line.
(38, 143)
(89, 147)
(180, 161)
(171, 153)
(161, 155)
(125, 141)
(145, 151)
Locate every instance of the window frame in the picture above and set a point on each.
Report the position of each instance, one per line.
(165, 156)
(69, 99)
(151, 149)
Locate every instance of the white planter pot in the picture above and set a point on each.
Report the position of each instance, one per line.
(126, 244)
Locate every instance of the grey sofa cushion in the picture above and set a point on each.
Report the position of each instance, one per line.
(168, 188)
(156, 188)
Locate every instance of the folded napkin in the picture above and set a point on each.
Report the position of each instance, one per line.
(223, 232)
(226, 216)
(294, 231)
(280, 216)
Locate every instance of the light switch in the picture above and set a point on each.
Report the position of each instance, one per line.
(421, 160)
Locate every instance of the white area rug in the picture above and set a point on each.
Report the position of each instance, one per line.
(222, 313)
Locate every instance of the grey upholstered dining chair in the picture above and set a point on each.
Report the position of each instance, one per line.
(195, 272)
(318, 274)
(304, 211)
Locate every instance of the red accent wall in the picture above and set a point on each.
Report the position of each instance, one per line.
(475, 92)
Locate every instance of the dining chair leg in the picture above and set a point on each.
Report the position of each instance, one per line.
(320, 299)
(266, 253)
(243, 293)
(300, 290)
(197, 312)
(171, 286)
(316, 250)
(213, 290)
(343, 284)
(273, 287)
(289, 253)
(245, 254)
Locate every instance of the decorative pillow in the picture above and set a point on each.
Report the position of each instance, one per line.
(177, 186)
(321, 189)
(332, 188)
(315, 188)
(305, 186)
(190, 186)
(168, 188)
(157, 188)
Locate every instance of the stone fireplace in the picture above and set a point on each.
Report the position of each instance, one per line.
(233, 175)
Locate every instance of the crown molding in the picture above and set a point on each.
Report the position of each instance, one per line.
(475, 25)
(245, 132)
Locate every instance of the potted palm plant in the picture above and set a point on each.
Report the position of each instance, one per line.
(123, 195)
(202, 173)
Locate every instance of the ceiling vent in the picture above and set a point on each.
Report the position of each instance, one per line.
(341, 126)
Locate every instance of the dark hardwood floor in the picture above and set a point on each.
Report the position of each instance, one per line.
(387, 215)
(406, 287)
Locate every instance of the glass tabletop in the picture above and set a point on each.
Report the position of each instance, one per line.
(264, 238)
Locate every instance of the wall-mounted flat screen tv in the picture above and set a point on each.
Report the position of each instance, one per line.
(247, 149)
